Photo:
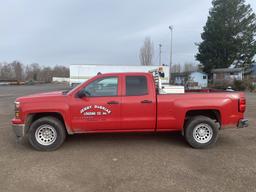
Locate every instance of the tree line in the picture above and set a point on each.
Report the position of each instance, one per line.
(17, 71)
(186, 68)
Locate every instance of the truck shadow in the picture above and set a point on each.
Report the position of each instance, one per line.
(170, 138)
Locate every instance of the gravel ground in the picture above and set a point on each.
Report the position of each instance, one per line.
(126, 162)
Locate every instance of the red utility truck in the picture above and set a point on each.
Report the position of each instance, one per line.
(125, 102)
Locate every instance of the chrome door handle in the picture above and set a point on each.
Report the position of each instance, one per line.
(146, 101)
(113, 102)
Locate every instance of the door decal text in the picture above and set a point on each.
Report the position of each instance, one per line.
(95, 110)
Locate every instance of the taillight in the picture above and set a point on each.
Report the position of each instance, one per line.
(241, 105)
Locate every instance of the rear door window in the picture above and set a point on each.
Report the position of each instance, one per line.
(136, 85)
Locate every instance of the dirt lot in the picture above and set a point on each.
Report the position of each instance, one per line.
(126, 162)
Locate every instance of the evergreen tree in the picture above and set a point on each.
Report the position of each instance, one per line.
(229, 36)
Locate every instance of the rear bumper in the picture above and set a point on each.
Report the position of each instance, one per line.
(19, 130)
(243, 123)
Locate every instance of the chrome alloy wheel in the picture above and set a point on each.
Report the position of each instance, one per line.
(202, 133)
(45, 135)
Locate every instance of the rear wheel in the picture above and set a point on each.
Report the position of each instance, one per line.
(47, 134)
(201, 132)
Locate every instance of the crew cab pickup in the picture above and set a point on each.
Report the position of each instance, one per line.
(125, 102)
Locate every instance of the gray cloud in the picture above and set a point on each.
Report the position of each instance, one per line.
(105, 32)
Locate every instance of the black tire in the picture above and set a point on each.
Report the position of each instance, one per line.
(204, 139)
(56, 132)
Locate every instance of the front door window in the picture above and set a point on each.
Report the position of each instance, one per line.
(104, 87)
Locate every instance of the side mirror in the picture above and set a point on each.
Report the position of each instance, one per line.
(81, 94)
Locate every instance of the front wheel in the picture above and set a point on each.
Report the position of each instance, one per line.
(201, 132)
(46, 134)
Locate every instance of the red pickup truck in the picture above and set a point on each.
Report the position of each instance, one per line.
(125, 102)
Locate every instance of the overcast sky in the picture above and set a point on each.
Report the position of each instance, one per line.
(65, 32)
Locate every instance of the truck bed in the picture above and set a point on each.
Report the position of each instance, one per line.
(172, 109)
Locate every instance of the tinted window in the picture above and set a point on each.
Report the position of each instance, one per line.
(102, 87)
(136, 85)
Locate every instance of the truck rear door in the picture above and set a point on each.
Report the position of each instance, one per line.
(138, 109)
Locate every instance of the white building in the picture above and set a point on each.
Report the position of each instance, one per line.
(200, 78)
(192, 80)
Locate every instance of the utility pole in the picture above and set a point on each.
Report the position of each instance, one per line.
(160, 54)
(170, 65)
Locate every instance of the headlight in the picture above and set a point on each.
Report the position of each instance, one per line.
(17, 109)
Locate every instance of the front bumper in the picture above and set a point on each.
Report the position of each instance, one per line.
(19, 130)
(243, 123)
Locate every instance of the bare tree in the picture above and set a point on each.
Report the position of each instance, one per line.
(18, 70)
(45, 74)
(147, 52)
(60, 71)
(7, 72)
(176, 68)
(189, 67)
(35, 70)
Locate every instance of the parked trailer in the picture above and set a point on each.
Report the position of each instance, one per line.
(80, 73)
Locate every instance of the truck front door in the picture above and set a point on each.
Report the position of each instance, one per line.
(100, 109)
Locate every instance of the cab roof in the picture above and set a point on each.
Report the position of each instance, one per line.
(125, 73)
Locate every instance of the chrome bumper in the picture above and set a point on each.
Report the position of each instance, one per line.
(243, 123)
(19, 130)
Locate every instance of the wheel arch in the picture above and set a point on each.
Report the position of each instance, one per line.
(34, 116)
(214, 114)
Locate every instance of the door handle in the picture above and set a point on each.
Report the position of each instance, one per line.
(146, 101)
(113, 102)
